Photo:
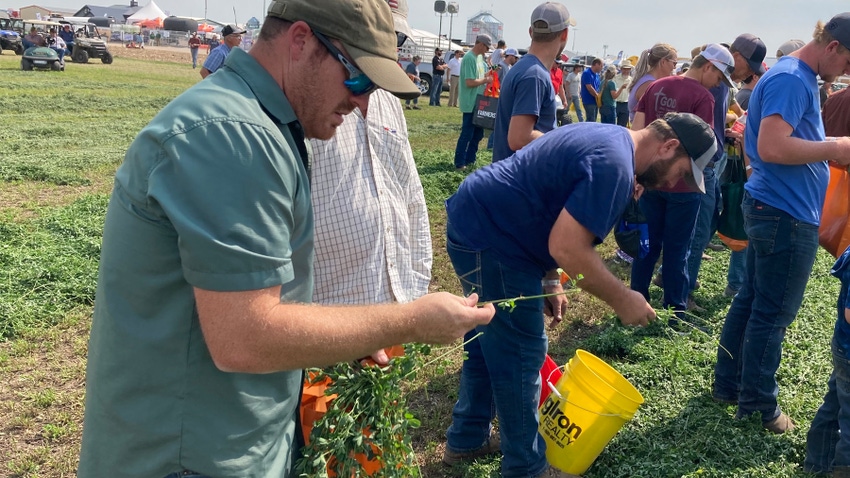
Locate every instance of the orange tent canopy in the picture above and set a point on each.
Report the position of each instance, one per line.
(204, 27)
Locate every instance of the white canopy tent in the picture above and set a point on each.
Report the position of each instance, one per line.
(426, 38)
(148, 12)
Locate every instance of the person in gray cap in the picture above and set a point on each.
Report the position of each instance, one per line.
(232, 36)
(474, 75)
(510, 226)
(789, 47)
(203, 323)
(748, 51)
(784, 141)
(527, 100)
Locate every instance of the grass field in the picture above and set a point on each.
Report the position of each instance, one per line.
(63, 136)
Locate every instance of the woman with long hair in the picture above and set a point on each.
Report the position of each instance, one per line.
(608, 91)
(654, 63)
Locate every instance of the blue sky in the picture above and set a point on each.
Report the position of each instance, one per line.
(629, 25)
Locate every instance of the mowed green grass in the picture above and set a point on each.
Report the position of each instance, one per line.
(62, 138)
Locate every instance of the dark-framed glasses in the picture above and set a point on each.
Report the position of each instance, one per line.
(358, 83)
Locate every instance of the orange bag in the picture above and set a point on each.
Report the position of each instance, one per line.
(314, 405)
(834, 232)
(493, 88)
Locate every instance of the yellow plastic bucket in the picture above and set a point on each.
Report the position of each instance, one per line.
(588, 406)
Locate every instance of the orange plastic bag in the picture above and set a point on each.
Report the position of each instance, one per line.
(834, 232)
(493, 87)
(314, 405)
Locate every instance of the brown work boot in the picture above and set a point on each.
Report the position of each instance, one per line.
(490, 447)
(780, 424)
(658, 280)
(693, 307)
(841, 472)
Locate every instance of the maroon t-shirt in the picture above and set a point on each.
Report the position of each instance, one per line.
(677, 94)
(836, 114)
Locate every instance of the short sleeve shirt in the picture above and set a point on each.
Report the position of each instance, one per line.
(527, 90)
(471, 67)
(589, 78)
(212, 194)
(216, 57)
(511, 206)
(789, 89)
(575, 83)
(677, 94)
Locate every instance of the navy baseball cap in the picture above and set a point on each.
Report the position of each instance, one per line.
(839, 28)
(753, 50)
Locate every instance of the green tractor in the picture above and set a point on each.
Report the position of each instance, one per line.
(88, 43)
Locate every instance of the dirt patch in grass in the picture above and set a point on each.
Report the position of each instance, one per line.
(157, 53)
(22, 199)
(41, 399)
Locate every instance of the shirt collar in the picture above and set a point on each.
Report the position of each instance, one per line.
(266, 90)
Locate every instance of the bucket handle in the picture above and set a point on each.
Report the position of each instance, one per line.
(564, 398)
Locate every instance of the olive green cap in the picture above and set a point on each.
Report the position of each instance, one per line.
(365, 28)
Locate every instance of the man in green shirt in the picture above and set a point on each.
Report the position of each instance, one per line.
(202, 321)
(473, 77)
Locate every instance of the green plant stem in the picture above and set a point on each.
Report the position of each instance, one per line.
(525, 297)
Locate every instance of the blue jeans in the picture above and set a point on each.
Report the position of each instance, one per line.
(576, 102)
(780, 256)
(703, 230)
(623, 113)
(194, 52)
(503, 365)
(591, 110)
(608, 114)
(737, 270)
(467, 142)
(436, 90)
(825, 446)
(60, 52)
(670, 218)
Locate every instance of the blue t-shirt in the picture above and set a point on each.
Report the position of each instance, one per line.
(721, 106)
(527, 90)
(841, 270)
(789, 89)
(510, 206)
(589, 78)
(217, 57)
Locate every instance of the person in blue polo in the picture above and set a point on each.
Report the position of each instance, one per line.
(590, 89)
(232, 37)
(510, 226)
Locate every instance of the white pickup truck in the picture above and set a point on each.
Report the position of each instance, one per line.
(424, 46)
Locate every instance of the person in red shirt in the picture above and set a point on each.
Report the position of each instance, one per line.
(194, 46)
(672, 212)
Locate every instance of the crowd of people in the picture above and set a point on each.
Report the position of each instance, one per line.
(222, 277)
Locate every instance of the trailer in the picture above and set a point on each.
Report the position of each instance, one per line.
(423, 44)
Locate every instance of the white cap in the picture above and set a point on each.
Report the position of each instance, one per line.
(720, 57)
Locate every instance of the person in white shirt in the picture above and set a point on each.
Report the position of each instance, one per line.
(573, 81)
(454, 77)
(57, 44)
(372, 235)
